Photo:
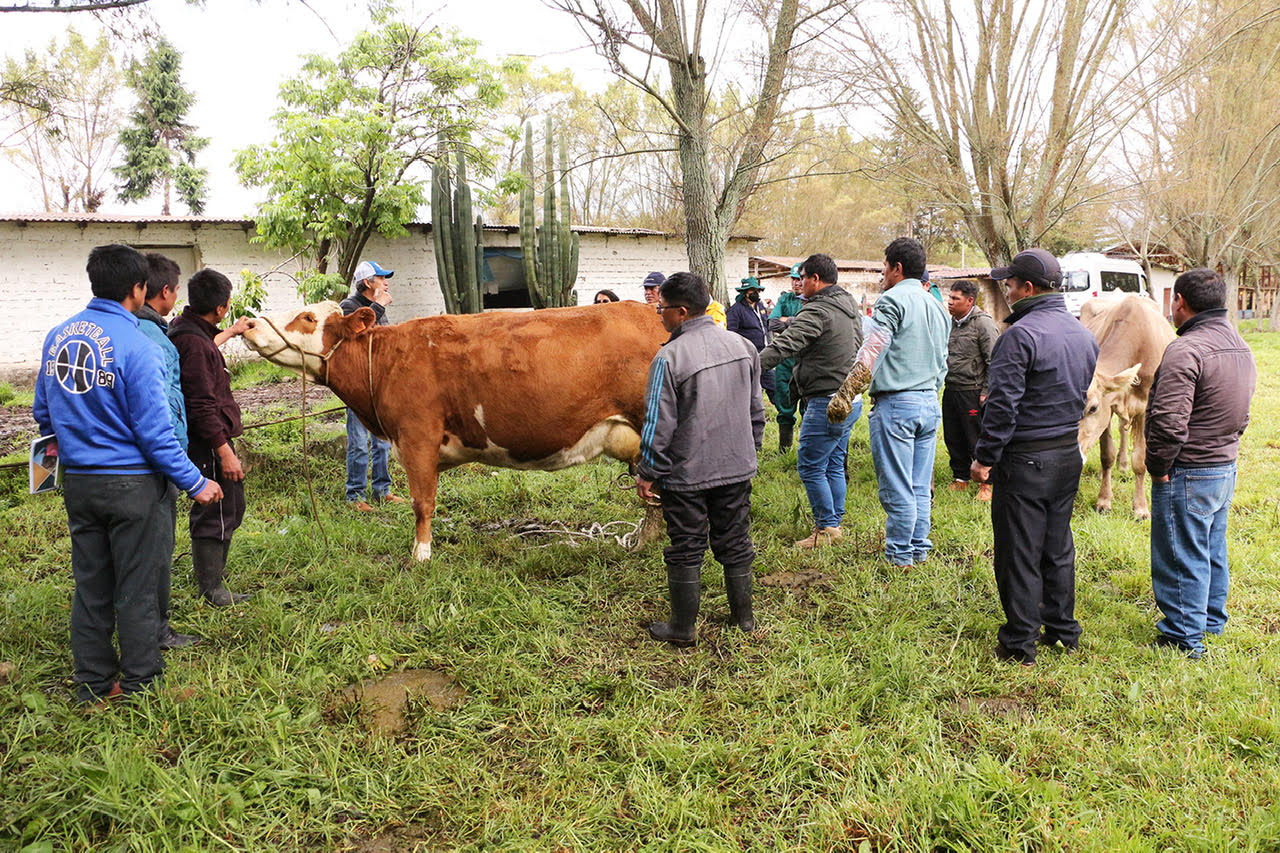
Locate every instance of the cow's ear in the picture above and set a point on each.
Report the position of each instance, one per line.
(1123, 379)
(358, 321)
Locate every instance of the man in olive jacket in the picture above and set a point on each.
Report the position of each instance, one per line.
(823, 339)
(973, 337)
(703, 424)
(1197, 411)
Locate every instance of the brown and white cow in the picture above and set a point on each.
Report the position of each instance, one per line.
(540, 390)
(1131, 340)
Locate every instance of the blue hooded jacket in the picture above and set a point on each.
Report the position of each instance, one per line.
(101, 391)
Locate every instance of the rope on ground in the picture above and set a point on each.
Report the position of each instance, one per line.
(566, 535)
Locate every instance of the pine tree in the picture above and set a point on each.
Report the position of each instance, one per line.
(159, 146)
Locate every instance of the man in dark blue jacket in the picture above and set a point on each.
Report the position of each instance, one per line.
(743, 317)
(101, 391)
(1038, 379)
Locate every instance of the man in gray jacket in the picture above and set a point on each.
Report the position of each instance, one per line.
(1197, 411)
(704, 421)
(823, 339)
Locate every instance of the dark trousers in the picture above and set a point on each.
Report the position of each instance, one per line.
(117, 526)
(220, 519)
(961, 422)
(720, 517)
(164, 579)
(1035, 556)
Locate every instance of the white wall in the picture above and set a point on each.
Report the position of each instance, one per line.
(42, 279)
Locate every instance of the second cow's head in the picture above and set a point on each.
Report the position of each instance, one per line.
(302, 338)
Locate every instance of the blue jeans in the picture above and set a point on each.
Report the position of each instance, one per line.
(365, 451)
(904, 437)
(820, 456)
(1189, 552)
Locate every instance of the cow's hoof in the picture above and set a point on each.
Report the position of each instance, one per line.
(1142, 514)
(422, 551)
(1103, 506)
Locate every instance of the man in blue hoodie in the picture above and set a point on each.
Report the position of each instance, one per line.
(101, 391)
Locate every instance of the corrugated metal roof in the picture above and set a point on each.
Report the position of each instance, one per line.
(124, 219)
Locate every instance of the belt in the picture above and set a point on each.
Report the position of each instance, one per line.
(1041, 444)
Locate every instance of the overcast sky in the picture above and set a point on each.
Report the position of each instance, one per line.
(236, 53)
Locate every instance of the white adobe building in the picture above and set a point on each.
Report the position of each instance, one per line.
(42, 259)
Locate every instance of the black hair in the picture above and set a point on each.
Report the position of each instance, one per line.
(821, 266)
(966, 287)
(609, 294)
(688, 290)
(162, 272)
(909, 252)
(207, 291)
(1202, 289)
(114, 270)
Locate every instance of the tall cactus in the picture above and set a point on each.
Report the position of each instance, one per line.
(550, 252)
(459, 244)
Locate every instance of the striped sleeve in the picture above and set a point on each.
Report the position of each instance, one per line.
(660, 417)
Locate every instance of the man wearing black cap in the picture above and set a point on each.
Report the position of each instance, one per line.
(1039, 375)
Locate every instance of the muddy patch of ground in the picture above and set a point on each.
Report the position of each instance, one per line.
(803, 579)
(382, 705)
(400, 839)
(995, 706)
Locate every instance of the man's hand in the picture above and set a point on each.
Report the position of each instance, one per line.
(380, 293)
(978, 472)
(211, 493)
(1163, 478)
(645, 488)
(230, 464)
(239, 327)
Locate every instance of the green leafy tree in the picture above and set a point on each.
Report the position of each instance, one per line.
(159, 146)
(355, 135)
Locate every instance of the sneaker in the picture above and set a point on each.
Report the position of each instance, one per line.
(958, 486)
(171, 639)
(820, 538)
(984, 492)
(1013, 656)
(1068, 647)
(1164, 641)
(114, 695)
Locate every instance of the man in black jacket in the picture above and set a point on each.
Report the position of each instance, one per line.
(1197, 411)
(367, 455)
(1040, 372)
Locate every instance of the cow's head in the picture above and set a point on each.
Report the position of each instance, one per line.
(301, 339)
(1105, 395)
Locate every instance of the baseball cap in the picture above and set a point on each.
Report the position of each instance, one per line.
(654, 279)
(924, 277)
(795, 270)
(1034, 265)
(368, 269)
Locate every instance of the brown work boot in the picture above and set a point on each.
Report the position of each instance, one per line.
(984, 492)
(361, 506)
(392, 499)
(958, 486)
(820, 538)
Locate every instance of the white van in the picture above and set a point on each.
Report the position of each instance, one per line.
(1086, 275)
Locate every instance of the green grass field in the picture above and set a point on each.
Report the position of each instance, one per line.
(866, 714)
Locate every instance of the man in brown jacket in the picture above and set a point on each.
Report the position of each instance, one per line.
(213, 420)
(1197, 411)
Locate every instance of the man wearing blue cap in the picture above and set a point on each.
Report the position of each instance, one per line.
(364, 449)
(788, 306)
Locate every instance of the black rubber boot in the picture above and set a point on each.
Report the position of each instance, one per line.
(785, 433)
(209, 558)
(684, 614)
(737, 583)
